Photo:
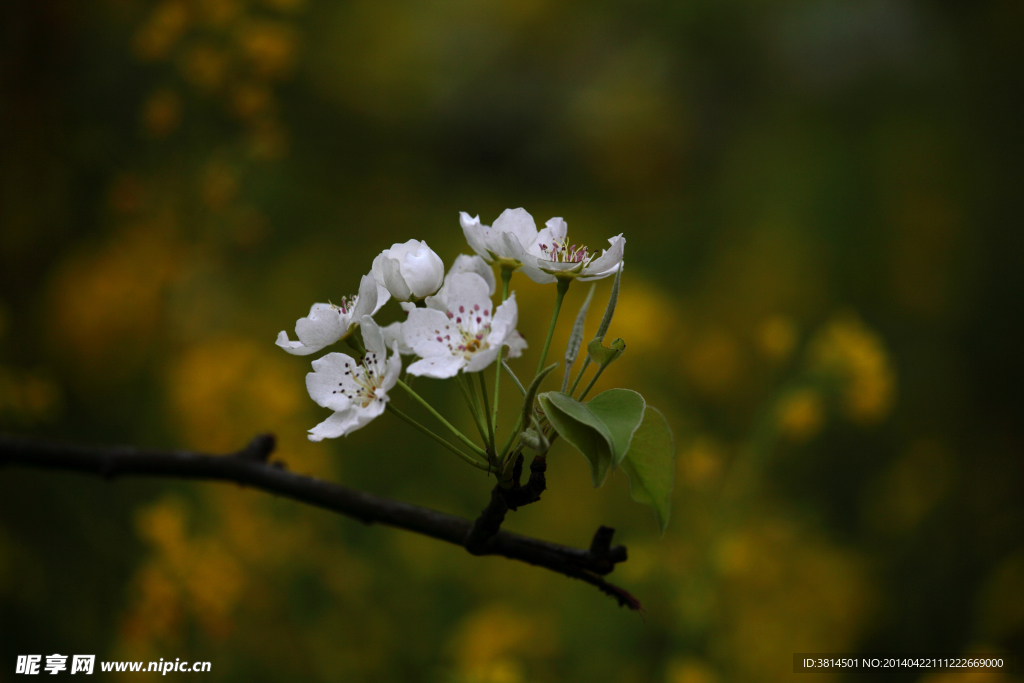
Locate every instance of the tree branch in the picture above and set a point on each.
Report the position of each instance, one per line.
(504, 498)
(251, 467)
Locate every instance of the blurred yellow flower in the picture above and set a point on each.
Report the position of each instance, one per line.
(715, 361)
(645, 316)
(1001, 599)
(225, 390)
(492, 641)
(912, 487)
(801, 414)
(783, 589)
(690, 671)
(702, 463)
(161, 113)
(269, 46)
(27, 397)
(848, 349)
(219, 184)
(268, 140)
(107, 303)
(164, 27)
(205, 66)
(776, 337)
(196, 571)
(217, 12)
(284, 5)
(250, 99)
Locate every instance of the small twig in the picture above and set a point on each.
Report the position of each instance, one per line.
(250, 467)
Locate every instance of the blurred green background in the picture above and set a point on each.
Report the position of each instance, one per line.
(822, 204)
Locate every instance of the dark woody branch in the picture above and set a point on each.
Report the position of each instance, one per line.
(251, 467)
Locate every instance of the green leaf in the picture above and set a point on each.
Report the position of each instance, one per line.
(650, 464)
(621, 411)
(587, 433)
(602, 355)
(531, 392)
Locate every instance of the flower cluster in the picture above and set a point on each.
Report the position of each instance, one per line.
(453, 326)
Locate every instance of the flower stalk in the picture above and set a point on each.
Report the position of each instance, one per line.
(506, 277)
(440, 418)
(439, 439)
(560, 289)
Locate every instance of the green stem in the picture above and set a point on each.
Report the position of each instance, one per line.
(440, 418)
(356, 344)
(563, 287)
(519, 385)
(487, 410)
(506, 277)
(511, 437)
(592, 381)
(474, 409)
(472, 461)
(576, 381)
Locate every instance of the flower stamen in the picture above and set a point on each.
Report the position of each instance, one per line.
(560, 251)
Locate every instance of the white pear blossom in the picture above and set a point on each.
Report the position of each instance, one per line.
(463, 264)
(328, 323)
(553, 258)
(466, 337)
(503, 243)
(357, 391)
(409, 271)
(545, 256)
(469, 264)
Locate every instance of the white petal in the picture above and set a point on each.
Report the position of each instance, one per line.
(554, 232)
(467, 292)
(373, 340)
(507, 246)
(423, 328)
(557, 227)
(344, 422)
(367, 301)
(440, 367)
(391, 271)
(331, 374)
(467, 221)
(538, 275)
(438, 302)
(608, 262)
(555, 267)
(377, 269)
(504, 322)
(393, 335)
(293, 347)
(481, 359)
(516, 344)
(473, 264)
(519, 223)
(382, 296)
(399, 250)
(463, 264)
(475, 233)
(394, 369)
(324, 325)
(423, 271)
